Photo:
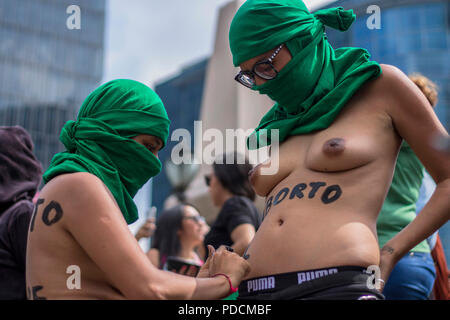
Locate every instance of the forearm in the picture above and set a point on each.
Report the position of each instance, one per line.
(173, 286)
(241, 236)
(435, 213)
(240, 246)
(211, 288)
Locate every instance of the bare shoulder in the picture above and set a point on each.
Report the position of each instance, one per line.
(76, 178)
(413, 118)
(400, 93)
(78, 184)
(77, 191)
(392, 79)
(391, 71)
(398, 85)
(385, 90)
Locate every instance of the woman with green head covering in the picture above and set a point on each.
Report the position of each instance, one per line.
(103, 140)
(335, 131)
(79, 244)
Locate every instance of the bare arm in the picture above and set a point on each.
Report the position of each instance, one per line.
(416, 122)
(97, 225)
(153, 255)
(242, 235)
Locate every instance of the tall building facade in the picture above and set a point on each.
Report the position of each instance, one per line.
(48, 65)
(182, 97)
(413, 35)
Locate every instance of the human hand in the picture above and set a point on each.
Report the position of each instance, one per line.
(229, 263)
(147, 229)
(204, 270)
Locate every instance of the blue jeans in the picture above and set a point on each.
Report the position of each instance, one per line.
(412, 278)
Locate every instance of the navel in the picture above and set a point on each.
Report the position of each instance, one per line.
(334, 146)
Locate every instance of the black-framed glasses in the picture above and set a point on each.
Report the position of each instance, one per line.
(263, 69)
(208, 180)
(197, 219)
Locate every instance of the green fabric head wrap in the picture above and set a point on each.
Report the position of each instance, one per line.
(316, 84)
(99, 141)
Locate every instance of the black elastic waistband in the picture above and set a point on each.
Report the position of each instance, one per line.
(281, 281)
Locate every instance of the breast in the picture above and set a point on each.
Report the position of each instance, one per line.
(332, 152)
(343, 146)
(279, 166)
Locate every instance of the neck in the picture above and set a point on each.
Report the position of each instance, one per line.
(225, 196)
(187, 251)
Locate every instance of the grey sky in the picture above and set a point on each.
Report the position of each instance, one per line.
(149, 40)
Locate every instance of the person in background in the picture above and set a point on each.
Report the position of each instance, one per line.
(413, 276)
(20, 176)
(179, 232)
(238, 218)
(441, 287)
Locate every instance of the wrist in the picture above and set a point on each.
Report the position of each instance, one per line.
(389, 251)
(232, 289)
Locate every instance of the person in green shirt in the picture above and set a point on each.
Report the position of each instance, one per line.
(413, 276)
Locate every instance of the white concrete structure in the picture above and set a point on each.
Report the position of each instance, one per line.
(226, 105)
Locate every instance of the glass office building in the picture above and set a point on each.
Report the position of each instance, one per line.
(46, 68)
(414, 35)
(182, 96)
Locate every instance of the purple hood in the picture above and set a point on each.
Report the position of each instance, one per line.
(20, 170)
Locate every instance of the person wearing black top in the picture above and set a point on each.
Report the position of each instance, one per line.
(238, 219)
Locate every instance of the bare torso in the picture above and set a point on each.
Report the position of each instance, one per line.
(54, 257)
(325, 201)
(322, 205)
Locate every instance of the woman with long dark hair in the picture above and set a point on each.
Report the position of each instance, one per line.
(238, 218)
(179, 231)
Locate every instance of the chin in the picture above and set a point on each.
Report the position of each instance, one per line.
(215, 202)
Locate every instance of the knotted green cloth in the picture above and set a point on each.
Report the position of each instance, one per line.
(316, 84)
(99, 141)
